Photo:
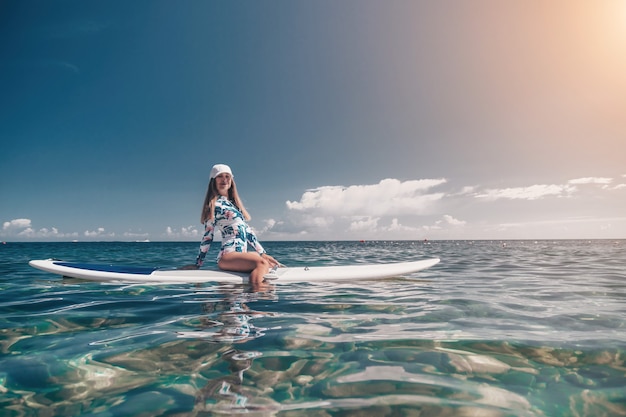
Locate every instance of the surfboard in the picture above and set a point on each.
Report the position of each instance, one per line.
(156, 275)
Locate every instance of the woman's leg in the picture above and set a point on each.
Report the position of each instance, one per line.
(245, 262)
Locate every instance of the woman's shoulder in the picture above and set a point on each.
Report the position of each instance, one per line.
(223, 202)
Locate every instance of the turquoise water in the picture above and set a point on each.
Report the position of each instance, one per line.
(517, 328)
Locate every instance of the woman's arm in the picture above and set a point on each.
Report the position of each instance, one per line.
(205, 244)
(253, 240)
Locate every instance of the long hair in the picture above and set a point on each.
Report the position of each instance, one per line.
(208, 208)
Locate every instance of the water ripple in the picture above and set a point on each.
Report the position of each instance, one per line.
(497, 328)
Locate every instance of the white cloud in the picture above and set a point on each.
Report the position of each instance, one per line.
(184, 232)
(603, 182)
(100, 232)
(16, 224)
(591, 180)
(364, 224)
(444, 223)
(361, 211)
(28, 232)
(270, 224)
(533, 192)
(468, 189)
(388, 197)
(402, 230)
(97, 232)
(317, 221)
(22, 229)
(540, 191)
(452, 221)
(395, 225)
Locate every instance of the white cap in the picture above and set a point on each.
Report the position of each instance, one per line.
(219, 169)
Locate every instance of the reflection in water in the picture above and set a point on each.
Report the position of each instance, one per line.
(233, 324)
(228, 394)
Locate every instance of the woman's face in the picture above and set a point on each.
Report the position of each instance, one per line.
(223, 183)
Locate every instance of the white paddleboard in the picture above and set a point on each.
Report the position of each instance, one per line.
(133, 274)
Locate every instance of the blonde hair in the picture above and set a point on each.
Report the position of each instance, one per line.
(208, 208)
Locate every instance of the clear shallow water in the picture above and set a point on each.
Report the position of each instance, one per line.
(519, 328)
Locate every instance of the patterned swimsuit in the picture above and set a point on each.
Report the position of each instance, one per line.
(236, 234)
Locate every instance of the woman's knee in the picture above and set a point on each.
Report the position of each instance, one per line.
(262, 263)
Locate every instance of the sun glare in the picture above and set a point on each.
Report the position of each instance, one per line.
(620, 17)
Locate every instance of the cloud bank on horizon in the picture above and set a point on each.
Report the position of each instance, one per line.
(393, 209)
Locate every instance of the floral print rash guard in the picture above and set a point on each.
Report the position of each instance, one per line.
(236, 234)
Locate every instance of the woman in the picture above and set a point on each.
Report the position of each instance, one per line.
(223, 210)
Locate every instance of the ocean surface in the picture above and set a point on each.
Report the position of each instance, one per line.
(498, 328)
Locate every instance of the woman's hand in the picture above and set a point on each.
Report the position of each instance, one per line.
(270, 259)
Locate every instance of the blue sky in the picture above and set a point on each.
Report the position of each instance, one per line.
(340, 119)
